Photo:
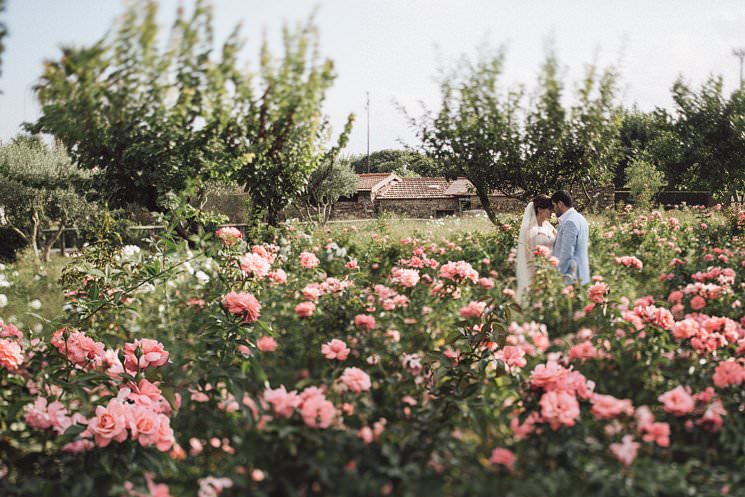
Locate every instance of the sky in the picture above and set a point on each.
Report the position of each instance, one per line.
(393, 48)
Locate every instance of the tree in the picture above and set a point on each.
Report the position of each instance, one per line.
(287, 133)
(326, 186)
(401, 162)
(593, 145)
(643, 180)
(475, 133)
(39, 193)
(154, 119)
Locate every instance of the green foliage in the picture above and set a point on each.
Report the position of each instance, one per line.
(154, 118)
(40, 193)
(326, 185)
(402, 162)
(502, 143)
(644, 180)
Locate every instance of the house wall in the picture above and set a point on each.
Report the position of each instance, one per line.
(418, 207)
(362, 208)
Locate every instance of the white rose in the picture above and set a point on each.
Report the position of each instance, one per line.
(3, 300)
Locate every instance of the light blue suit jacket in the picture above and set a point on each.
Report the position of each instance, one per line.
(570, 248)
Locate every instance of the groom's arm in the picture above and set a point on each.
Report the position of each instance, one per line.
(567, 241)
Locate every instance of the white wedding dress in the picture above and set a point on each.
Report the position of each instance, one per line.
(531, 236)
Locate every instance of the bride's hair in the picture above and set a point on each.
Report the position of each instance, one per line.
(542, 202)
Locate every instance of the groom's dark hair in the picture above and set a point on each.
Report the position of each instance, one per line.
(562, 196)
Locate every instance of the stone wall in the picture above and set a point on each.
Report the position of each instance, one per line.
(419, 207)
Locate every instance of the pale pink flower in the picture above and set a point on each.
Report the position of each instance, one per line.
(309, 260)
(254, 265)
(242, 304)
(626, 450)
(317, 412)
(283, 402)
(305, 309)
(677, 401)
(356, 380)
(278, 276)
(11, 354)
(728, 373)
(513, 357)
(504, 457)
(559, 408)
(596, 293)
(548, 376)
(144, 425)
(335, 349)
(110, 423)
(407, 277)
(698, 303)
(364, 322)
(607, 406)
(144, 353)
(658, 433)
(229, 235)
(266, 344)
(582, 351)
(472, 310)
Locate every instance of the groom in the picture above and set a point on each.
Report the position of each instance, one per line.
(571, 240)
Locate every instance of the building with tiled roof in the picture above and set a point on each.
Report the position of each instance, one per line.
(415, 188)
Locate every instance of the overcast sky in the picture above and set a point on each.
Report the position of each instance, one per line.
(390, 47)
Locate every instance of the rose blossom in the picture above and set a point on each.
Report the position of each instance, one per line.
(364, 322)
(11, 354)
(583, 350)
(335, 349)
(317, 412)
(242, 304)
(305, 309)
(255, 265)
(150, 352)
(596, 293)
(658, 433)
(513, 357)
(728, 373)
(504, 457)
(559, 408)
(625, 451)
(548, 375)
(110, 423)
(283, 402)
(309, 260)
(472, 310)
(607, 406)
(677, 401)
(266, 344)
(229, 235)
(356, 380)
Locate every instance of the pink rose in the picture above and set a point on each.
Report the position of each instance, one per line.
(278, 276)
(364, 322)
(677, 401)
(283, 402)
(607, 406)
(658, 433)
(504, 457)
(144, 425)
(11, 354)
(513, 357)
(254, 265)
(317, 412)
(266, 344)
(335, 349)
(596, 293)
(582, 351)
(309, 260)
(356, 380)
(150, 353)
(305, 309)
(625, 451)
(559, 408)
(548, 376)
(728, 373)
(242, 304)
(472, 310)
(110, 423)
(698, 303)
(229, 235)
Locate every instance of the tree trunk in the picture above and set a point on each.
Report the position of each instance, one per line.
(485, 203)
(35, 237)
(49, 245)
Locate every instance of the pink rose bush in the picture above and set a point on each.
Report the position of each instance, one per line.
(324, 364)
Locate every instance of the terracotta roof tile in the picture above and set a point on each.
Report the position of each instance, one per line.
(417, 188)
(366, 182)
(460, 186)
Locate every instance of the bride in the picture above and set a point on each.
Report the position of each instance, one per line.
(535, 230)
